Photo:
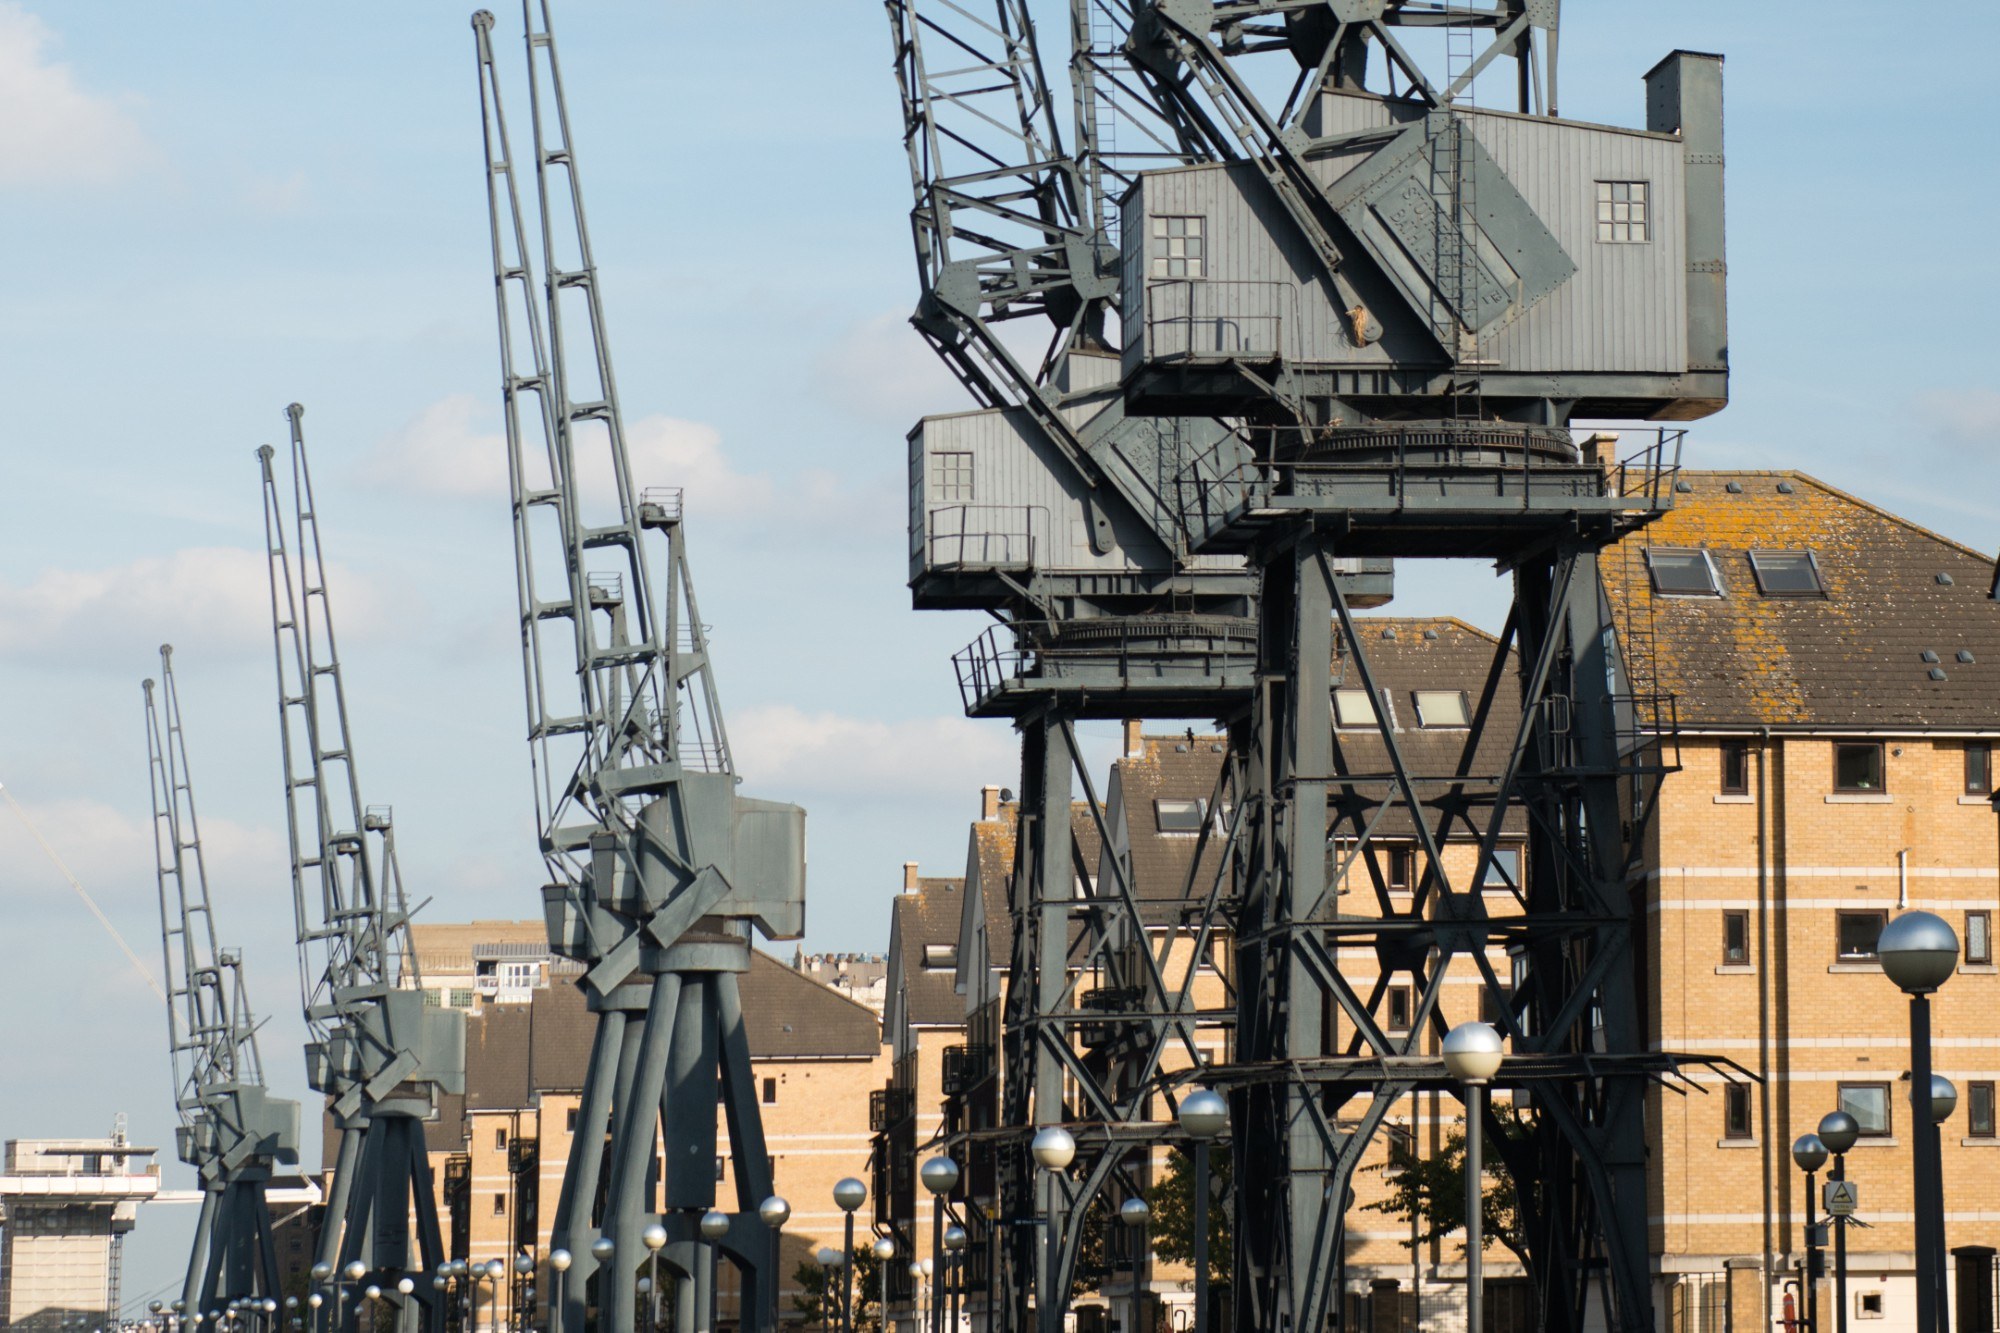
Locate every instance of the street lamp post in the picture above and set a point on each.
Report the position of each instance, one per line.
(850, 1194)
(774, 1212)
(1838, 1131)
(1053, 1149)
(827, 1257)
(1919, 952)
(1472, 1055)
(1943, 1101)
(885, 1250)
(321, 1271)
(1203, 1114)
(1810, 1155)
(1135, 1214)
(954, 1267)
(559, 1261)
(940, 1177)
(714, 1226)
(654, 1238)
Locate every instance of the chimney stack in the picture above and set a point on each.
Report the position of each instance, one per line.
(1135, 742)
(910, 884)
(989, 802)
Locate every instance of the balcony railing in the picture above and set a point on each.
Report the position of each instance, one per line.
(1104, 653)
(1216, 319)
(986, 536)
(965, 1068)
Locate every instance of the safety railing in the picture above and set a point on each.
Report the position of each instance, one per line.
(1422, 458)
(1221, 319)
(1103, 652)
(985, 536)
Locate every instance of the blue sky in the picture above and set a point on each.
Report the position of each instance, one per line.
(215, 210)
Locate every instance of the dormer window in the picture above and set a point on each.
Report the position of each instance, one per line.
(1682, 572)
(938, 957)
(1179, 815)
(1787, 574)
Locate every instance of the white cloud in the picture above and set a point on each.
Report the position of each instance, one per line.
(215, 596)
(448, 449)
(1966, 418)
(53, 131)
(881, 371)
(784, 751)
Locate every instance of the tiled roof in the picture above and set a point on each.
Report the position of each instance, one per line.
(993, 840)
(1167, 768)
(788, 1015)
(929, 916)
(1851, 659)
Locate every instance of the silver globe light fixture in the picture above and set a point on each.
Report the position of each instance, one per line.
(439, 1283)
(1203, 1114)
(1838, 1131)
(271, 1306)
(321, 1271)
(559, 1260)
(372, 1292)
(524, 1263)
(954, 1237)
(850, 1194)
(654, 1237)
(885, 1248)
(827, 1256)
(714, 1224)
(1134, 1212)
(356, 1271)
(774, 1212)
(1054, 1147)
(459, 1268)
(603, 1248)
(1944, 1098)
(1918, 951)
(403, 1285)
(1809, 1152)
(315, 1300)
(939, 1174)
(645, 1285)
(1472, 1055)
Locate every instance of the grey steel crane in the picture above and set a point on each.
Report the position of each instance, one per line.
(232, 1131)
(380, 1055)
(1395, 302)
(660, 869)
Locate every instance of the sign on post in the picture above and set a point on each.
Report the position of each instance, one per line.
(1841, 1197)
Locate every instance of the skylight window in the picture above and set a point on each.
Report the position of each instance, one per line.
(1682, 572)
(1442, 708)
(1787, 574)
(940, 956)
(1178, 815)
(1353, 708)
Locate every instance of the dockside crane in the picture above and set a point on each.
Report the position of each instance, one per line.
(379, 1054)
(660, 870)
(232, 1131)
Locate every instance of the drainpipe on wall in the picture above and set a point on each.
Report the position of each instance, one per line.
(1903, 880)
(1765, 819)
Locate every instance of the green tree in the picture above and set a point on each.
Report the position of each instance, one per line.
(1172, 1202)
(1431, 1188)
(819, 1291)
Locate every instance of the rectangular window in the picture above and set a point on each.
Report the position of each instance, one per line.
(1856, 933)
(1352, 708)
(499, 1205)
(1787, 573)
(1857, 766)
(1621, 213)
(1736, 1111)
(461, 999)
(1979, 1110)
(1736, 768)
(951, 478)
(434, 999)
(1868, 1103)
(940, 956)
(1400, 867)
(1177, 815)
(569, 1120)
(1979, 768)
(1736, 939)
(1503, 872)
(1680, 572)
(1177, 248)
(1979, 937)
(1442, 708)
(1492, 1007)
(770, 1092)
(499, 1140)
(1399, 1008)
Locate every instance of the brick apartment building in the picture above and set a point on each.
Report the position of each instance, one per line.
(1838, 676)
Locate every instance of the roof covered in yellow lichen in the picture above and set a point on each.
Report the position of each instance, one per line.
(1906, 635)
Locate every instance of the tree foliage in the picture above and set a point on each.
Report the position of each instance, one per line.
(818, 1296)
(1172, 1202)
(1431, 1188)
